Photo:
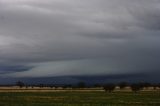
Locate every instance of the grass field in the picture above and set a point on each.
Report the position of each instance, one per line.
(79, 99)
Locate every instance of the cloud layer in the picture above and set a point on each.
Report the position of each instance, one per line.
(75, 37)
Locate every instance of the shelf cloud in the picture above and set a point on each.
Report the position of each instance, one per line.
(79, 37)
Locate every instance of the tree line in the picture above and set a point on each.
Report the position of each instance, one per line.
(108, 87)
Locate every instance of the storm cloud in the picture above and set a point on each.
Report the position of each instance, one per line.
(79, 37)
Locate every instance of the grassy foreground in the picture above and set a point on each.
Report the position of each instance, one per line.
(79, 99)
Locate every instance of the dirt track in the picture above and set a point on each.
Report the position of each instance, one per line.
(60, 89)
(47, 89)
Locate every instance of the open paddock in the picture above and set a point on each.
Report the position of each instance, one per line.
(81, 97)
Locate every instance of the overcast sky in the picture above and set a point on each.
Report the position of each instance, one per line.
(44, 38)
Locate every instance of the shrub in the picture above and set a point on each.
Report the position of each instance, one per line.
(20, 84)
(81, 85)
(109, 87)
(122, 85)
(136, 87)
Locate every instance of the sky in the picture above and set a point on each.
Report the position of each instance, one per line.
(46, 38)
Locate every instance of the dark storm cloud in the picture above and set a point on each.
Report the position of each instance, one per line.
(13, 68)
(74, 37)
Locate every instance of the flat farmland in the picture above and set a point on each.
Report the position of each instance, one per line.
(80, 98)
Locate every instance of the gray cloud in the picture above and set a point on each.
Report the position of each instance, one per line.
(74, 37)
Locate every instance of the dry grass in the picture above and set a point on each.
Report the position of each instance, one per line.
(79, 98)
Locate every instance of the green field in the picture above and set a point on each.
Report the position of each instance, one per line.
(79, 99)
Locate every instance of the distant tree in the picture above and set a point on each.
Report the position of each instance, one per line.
(41, 85)
(51, 86)
(159, 85)
(109, 87)
(26, 86)
(67, 86)
(136, 87)
(20, 84)
(81, 85)
(145, 84)
(122, 85)
(97, 85)
(155, 86)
